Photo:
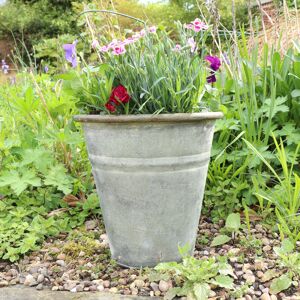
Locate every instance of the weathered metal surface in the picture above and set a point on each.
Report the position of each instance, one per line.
(150, 173)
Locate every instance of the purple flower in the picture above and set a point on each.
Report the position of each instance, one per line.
(211, 78)
(152, 29)
(46, 69)
(214, 61)
(70, 53)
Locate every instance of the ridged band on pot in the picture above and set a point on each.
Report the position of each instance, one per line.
(150, 173)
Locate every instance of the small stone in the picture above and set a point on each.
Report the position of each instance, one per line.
(60, 262)
(61, 256)
(151, 294)
(81, 254)
(154, 286)
(93, 288)
(106, 284)
(246, 267)
(91, 224)
(259, 265)
(54, 288)
(265, 296)
(79, 288)
(249, 278)
(13, 272)
(39, 287)
(122, 281)
(265, 241)
(30, 280)
(212, 294)
(234, 251)
(40, 278)
(73, 290)
(100, 288)
(267, 248)
(113, 290)
(163, 286)
(134, 291)
(259, 274)
(273, 297)
(157, 293)
(3, 283)
(139, 283)
(248, 297)
(55, 250)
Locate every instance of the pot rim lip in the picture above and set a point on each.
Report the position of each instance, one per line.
(149, 118)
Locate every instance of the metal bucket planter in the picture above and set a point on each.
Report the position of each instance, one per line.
(150, 173)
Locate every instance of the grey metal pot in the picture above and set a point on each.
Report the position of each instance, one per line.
(150, 173)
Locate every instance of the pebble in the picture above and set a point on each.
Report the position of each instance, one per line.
(100, 288)
(267, 248)
(3, 283)
(30, 280)
(91, 224)
(113, 290)
(265, 296)
(259, 274)
(163, 286)
(39, 287)
(61, 256)
(60, 262)
(40, 278)
(106, 283)
(157, 293)
(79, 288)
(138, 283)
(54, 288)
(154, 286)
(122, 281)
(250, 278)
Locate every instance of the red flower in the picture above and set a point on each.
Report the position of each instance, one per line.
(110, 106)
(119, 94)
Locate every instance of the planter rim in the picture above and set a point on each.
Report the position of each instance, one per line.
(148, 118)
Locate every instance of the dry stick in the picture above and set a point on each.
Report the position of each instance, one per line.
(218, 44)
(286, 14)
(297, 19)
(277, 22)
(251, 23)
(39, 91)
(262, 20)
(234, 28)
(92, 33)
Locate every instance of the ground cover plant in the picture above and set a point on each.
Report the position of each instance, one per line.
(41, 193)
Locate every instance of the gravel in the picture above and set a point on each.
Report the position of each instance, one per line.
(65, 264)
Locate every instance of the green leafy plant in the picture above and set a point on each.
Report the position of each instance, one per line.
(285, 193)
(26, 220)
(290, 261)
(232, 226)
(194, 276)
